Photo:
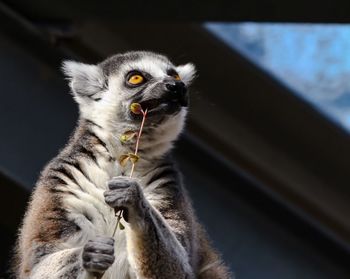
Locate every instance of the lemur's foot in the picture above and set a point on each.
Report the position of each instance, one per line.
(126, 194)
(98, 254)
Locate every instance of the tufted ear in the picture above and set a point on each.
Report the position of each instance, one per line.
(186, 72)
(86, 81)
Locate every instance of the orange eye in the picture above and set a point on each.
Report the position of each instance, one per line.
(176, 77)
(136, 79)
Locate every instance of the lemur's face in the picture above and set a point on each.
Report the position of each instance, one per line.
(155, 83)
(106, 91)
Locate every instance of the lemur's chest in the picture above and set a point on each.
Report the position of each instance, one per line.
(89, 211)
(104, 223)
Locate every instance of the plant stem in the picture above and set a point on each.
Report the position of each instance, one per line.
(119, 216)
(144, 113)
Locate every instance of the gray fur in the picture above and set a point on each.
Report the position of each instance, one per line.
(114, 63)
(68, 226)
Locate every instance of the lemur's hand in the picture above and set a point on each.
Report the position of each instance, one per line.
(126, 194)
(98, 254)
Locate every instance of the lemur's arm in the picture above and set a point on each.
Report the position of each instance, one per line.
(51, 246)
(154, 251)
(60, 264)
(83, 262)
(78, 263)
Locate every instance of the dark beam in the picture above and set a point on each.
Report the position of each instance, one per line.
(184, 10)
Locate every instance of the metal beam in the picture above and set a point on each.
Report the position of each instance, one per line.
(184, 10)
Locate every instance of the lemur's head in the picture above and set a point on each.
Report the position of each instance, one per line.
(105, 91)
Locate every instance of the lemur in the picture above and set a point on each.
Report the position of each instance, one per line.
(67, 229)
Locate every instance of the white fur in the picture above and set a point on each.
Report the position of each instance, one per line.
(52, 264)
(91, 201)
(186, 72)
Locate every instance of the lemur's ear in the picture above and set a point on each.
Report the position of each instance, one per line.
(186, 72)
(86, 81)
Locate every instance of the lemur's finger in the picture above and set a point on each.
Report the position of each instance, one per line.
(116, 192)
(112, 185)
(121, 182)
(104, 239)
(96, 267)
(98, 258)
(114, 200)
(99, 248)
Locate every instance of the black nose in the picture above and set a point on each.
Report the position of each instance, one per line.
(175, 87)
(176, 91)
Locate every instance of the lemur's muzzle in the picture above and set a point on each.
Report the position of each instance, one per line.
(172, 96)
(176, 92)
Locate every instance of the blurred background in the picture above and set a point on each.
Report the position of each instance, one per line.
(266, 153)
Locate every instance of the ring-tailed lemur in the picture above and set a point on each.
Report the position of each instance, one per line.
(70, 220)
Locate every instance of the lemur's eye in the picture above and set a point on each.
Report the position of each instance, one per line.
(136, 79)
(176, 77)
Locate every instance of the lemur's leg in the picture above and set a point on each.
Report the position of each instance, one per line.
(154, 251)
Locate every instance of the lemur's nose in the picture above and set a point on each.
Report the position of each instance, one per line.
(176, 91)
(175, 86)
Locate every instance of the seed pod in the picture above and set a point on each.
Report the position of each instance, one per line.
(121, 226)
(136, 108)
(133, 157)
(128, 135)
(123, 159)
